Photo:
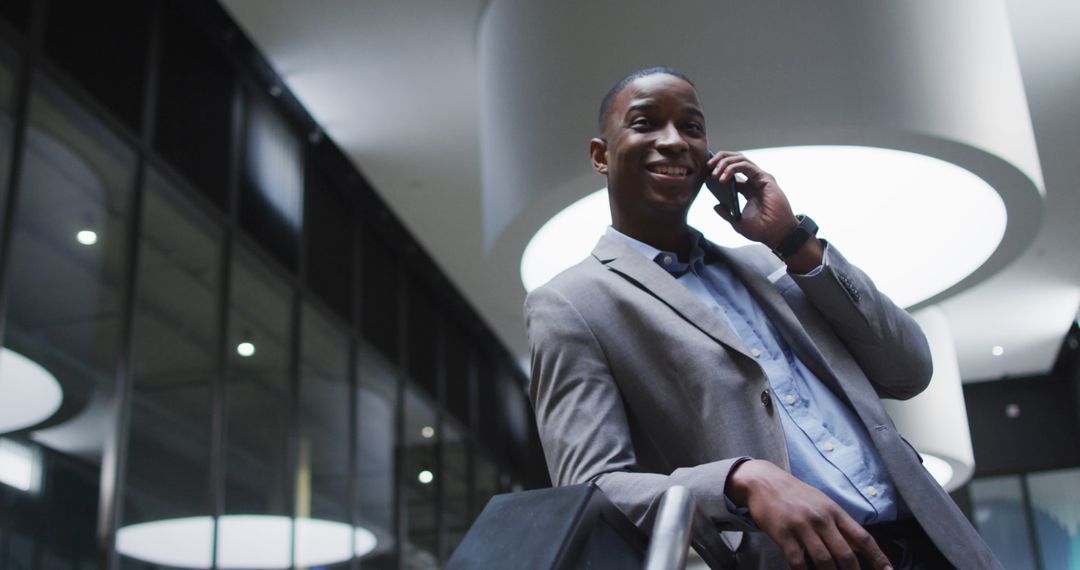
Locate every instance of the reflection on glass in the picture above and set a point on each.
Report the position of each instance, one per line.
(419, 479)
(258, 390)
(487, 482)
(1055, 507)
(7, 122)
(1000, 518)
(455, 484)
(175, 361)
(376, 401)
(322, 484)
(64, 314)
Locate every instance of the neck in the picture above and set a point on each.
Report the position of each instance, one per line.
(673, 236)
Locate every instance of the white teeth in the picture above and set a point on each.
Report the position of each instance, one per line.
(669, 170)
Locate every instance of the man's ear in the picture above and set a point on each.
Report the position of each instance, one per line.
(598, 154)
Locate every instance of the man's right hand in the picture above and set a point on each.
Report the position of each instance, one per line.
(801, 519)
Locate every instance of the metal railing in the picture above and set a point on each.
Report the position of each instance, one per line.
(671, 531)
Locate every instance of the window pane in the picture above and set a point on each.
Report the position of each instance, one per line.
(64, 316)
(1055, 507)
(195, 98)
(175, 362)
(376, 404)
(455, 484)
(322, 485)
(328, 240)
(114, 71)
(7, 124)
(418, 479)
(380, 306)
(273, 181)
(487, 482)
(258, 392)
(1000, 518)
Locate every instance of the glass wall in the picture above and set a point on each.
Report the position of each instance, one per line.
(1031, 520)
(220, 348)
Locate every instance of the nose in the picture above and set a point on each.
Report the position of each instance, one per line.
(671, 140)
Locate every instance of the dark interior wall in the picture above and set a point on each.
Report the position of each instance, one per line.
(1028, 424)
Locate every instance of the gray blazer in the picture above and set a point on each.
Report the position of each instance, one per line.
(638, 385)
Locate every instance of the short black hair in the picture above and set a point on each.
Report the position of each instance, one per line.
(609, 99)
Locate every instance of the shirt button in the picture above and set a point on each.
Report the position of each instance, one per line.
(828, 446)
(755, 352)
(766, 399)
(871, 490)
(789, 399)
(667, 260)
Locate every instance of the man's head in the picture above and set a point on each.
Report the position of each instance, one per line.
(652, 148)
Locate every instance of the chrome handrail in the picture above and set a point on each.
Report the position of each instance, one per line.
(671, 531)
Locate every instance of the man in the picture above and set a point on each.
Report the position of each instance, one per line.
(665, 360)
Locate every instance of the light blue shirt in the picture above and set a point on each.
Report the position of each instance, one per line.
(828, 447)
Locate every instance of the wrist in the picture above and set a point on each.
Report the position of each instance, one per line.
(740, 481)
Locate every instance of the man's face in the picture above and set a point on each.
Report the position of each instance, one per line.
(654, 150)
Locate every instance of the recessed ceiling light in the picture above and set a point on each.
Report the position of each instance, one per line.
(852, 193)
(428, 432)
(29, 394)
(425, 477)
(86, 237)
(243, 541)
(998, 350)
(245, 349)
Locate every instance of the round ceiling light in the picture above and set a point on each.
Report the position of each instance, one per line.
(244, 541)
(29, 394)
(916, 224)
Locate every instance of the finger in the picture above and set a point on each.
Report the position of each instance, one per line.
(817, 552)
(793, 552)
(748, 169)
(863, 543)
(842, 552)
(722, 160)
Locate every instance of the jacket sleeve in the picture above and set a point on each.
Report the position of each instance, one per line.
(583, 424)
(885, 341)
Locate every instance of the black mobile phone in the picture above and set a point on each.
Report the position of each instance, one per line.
(725, 193)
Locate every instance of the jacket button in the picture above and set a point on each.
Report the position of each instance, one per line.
(766, 399)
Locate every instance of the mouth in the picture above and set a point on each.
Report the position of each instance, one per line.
(669, 170)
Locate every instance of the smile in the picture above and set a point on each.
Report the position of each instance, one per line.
(668, 170)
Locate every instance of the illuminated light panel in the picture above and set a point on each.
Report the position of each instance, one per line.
(939, 469)
(425, 477)
(29, 394)
(245, 349)
(86, 237)
(244, 541)
(427, 432)
(19, 466)
(893, 213)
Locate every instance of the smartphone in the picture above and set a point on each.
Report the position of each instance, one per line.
(725, 193)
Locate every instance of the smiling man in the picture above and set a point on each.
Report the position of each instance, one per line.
(752, 376)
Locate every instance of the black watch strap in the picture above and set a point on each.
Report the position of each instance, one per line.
(790, 245)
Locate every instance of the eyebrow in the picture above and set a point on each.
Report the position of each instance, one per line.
(646, 105)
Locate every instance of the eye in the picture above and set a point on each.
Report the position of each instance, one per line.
(641, 123)
(694, 127)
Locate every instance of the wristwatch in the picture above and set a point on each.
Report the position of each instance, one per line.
(790, 245)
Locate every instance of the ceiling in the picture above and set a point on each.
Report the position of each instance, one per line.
(472, 119)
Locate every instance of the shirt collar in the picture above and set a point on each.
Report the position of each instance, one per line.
(666, 259)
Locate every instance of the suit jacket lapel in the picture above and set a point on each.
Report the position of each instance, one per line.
(620, 258)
